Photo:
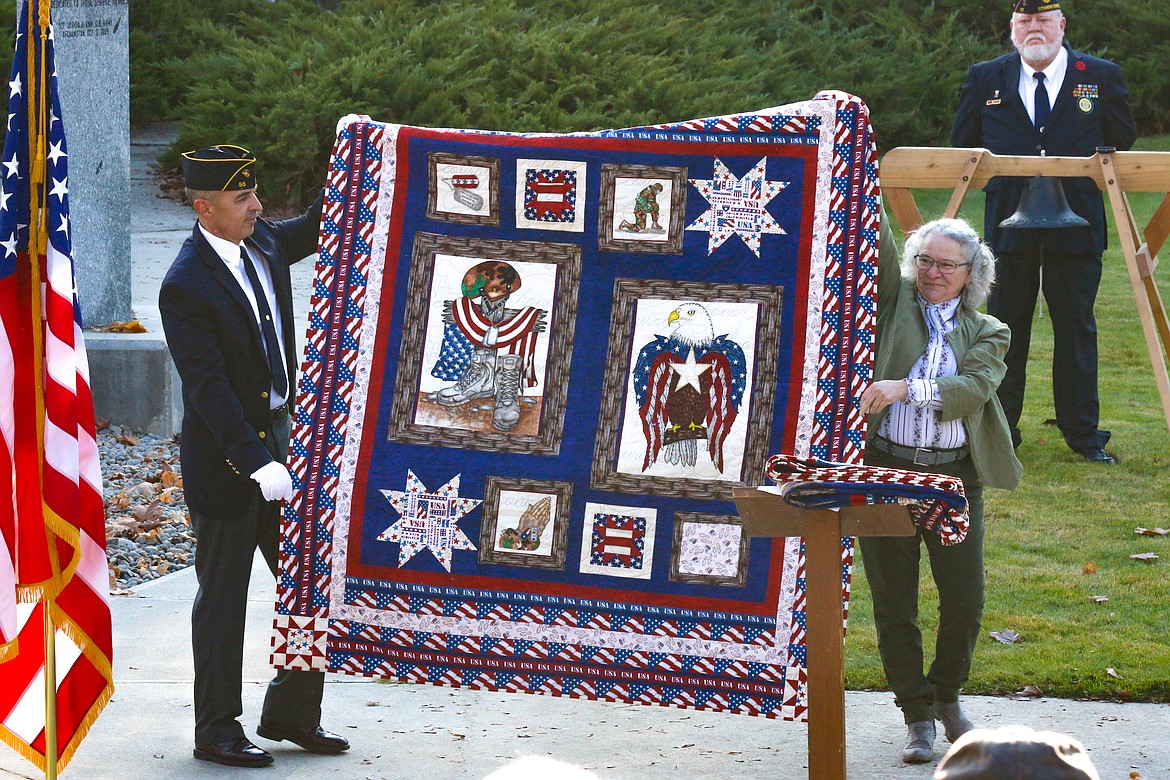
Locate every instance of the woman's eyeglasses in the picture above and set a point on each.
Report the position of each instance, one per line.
(945, 267)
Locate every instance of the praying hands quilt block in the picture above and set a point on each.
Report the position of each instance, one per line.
(536, 367)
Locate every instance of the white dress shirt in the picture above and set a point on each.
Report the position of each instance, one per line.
(230, 254)
(1053, 80)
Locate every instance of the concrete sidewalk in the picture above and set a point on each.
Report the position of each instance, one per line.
(418, 731)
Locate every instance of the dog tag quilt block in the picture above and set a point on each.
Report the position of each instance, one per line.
(535, 369)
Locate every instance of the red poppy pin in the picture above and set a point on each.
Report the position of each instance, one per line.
(1080, 65)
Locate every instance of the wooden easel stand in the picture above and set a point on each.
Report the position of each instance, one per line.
(766, 514)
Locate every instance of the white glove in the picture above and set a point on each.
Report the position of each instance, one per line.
(274, 481)
(348, 120)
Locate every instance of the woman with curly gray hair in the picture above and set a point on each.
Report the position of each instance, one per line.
(932, 407)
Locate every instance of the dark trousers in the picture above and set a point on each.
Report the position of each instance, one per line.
(891, 569)
(1070, 283)
(223, 567)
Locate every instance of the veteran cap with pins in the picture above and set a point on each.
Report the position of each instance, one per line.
(219, 168)
(1033, 6)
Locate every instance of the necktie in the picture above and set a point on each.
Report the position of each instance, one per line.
(1043, 107)
(267, 329)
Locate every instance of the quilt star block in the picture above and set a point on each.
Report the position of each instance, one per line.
(738, 206)
(428, 520)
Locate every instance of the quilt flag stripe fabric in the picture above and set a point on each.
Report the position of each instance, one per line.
(53, 558)
(535, 368)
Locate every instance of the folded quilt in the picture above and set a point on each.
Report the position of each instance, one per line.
(936, 502)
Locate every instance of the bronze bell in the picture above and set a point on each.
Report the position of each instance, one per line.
(1043, 205)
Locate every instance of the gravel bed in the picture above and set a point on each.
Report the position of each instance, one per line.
(148, 527)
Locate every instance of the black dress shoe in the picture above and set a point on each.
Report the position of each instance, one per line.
(312, 738)
(1098, 455)
(233, 752)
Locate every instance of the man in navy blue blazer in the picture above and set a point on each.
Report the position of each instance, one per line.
(226, 306)
(1046, 98)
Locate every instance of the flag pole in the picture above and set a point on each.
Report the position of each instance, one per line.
(50, 692)
(37, 110)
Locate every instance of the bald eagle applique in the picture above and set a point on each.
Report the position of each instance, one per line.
(688, 385)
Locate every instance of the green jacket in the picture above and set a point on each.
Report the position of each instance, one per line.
(979, 342)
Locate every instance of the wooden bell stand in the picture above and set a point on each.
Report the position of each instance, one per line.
(1116, 173)
(765, 513)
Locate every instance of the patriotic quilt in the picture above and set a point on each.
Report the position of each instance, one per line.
(536, 367)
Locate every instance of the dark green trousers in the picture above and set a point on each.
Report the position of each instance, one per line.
(891, 568)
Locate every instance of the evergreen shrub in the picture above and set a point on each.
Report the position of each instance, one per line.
(276, 76)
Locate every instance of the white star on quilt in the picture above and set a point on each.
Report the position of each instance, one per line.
(428, 520)
(738, 206)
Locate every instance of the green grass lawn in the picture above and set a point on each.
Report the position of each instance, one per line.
(1066, 533)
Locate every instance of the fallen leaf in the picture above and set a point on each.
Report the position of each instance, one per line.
(1146, 556)
(118, 326)
(1050, 421)
(1089, 568)
(121, 526)
(1098, 599)
(1030, 691)
(168, 478)
(130, 440)
(1151, 531)
(143, 490)
(148, 515)
(1109, 670)
(1007, 636)
(101, 423)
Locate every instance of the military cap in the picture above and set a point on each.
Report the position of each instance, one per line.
(219, 168)
(1033, 6)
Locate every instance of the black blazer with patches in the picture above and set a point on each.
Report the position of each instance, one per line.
(991, 115)
(215, 342)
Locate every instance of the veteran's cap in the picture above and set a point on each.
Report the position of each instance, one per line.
(219, 168)
(1033, 6)
(1015, 753)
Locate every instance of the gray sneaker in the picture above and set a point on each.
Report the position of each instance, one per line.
(955, 723)
(920, 742)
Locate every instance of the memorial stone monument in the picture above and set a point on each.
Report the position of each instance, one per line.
(130, 374)
(93, 65)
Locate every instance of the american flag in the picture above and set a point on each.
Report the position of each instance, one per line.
(52, 545)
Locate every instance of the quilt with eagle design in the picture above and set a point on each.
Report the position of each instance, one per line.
(537, 365)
